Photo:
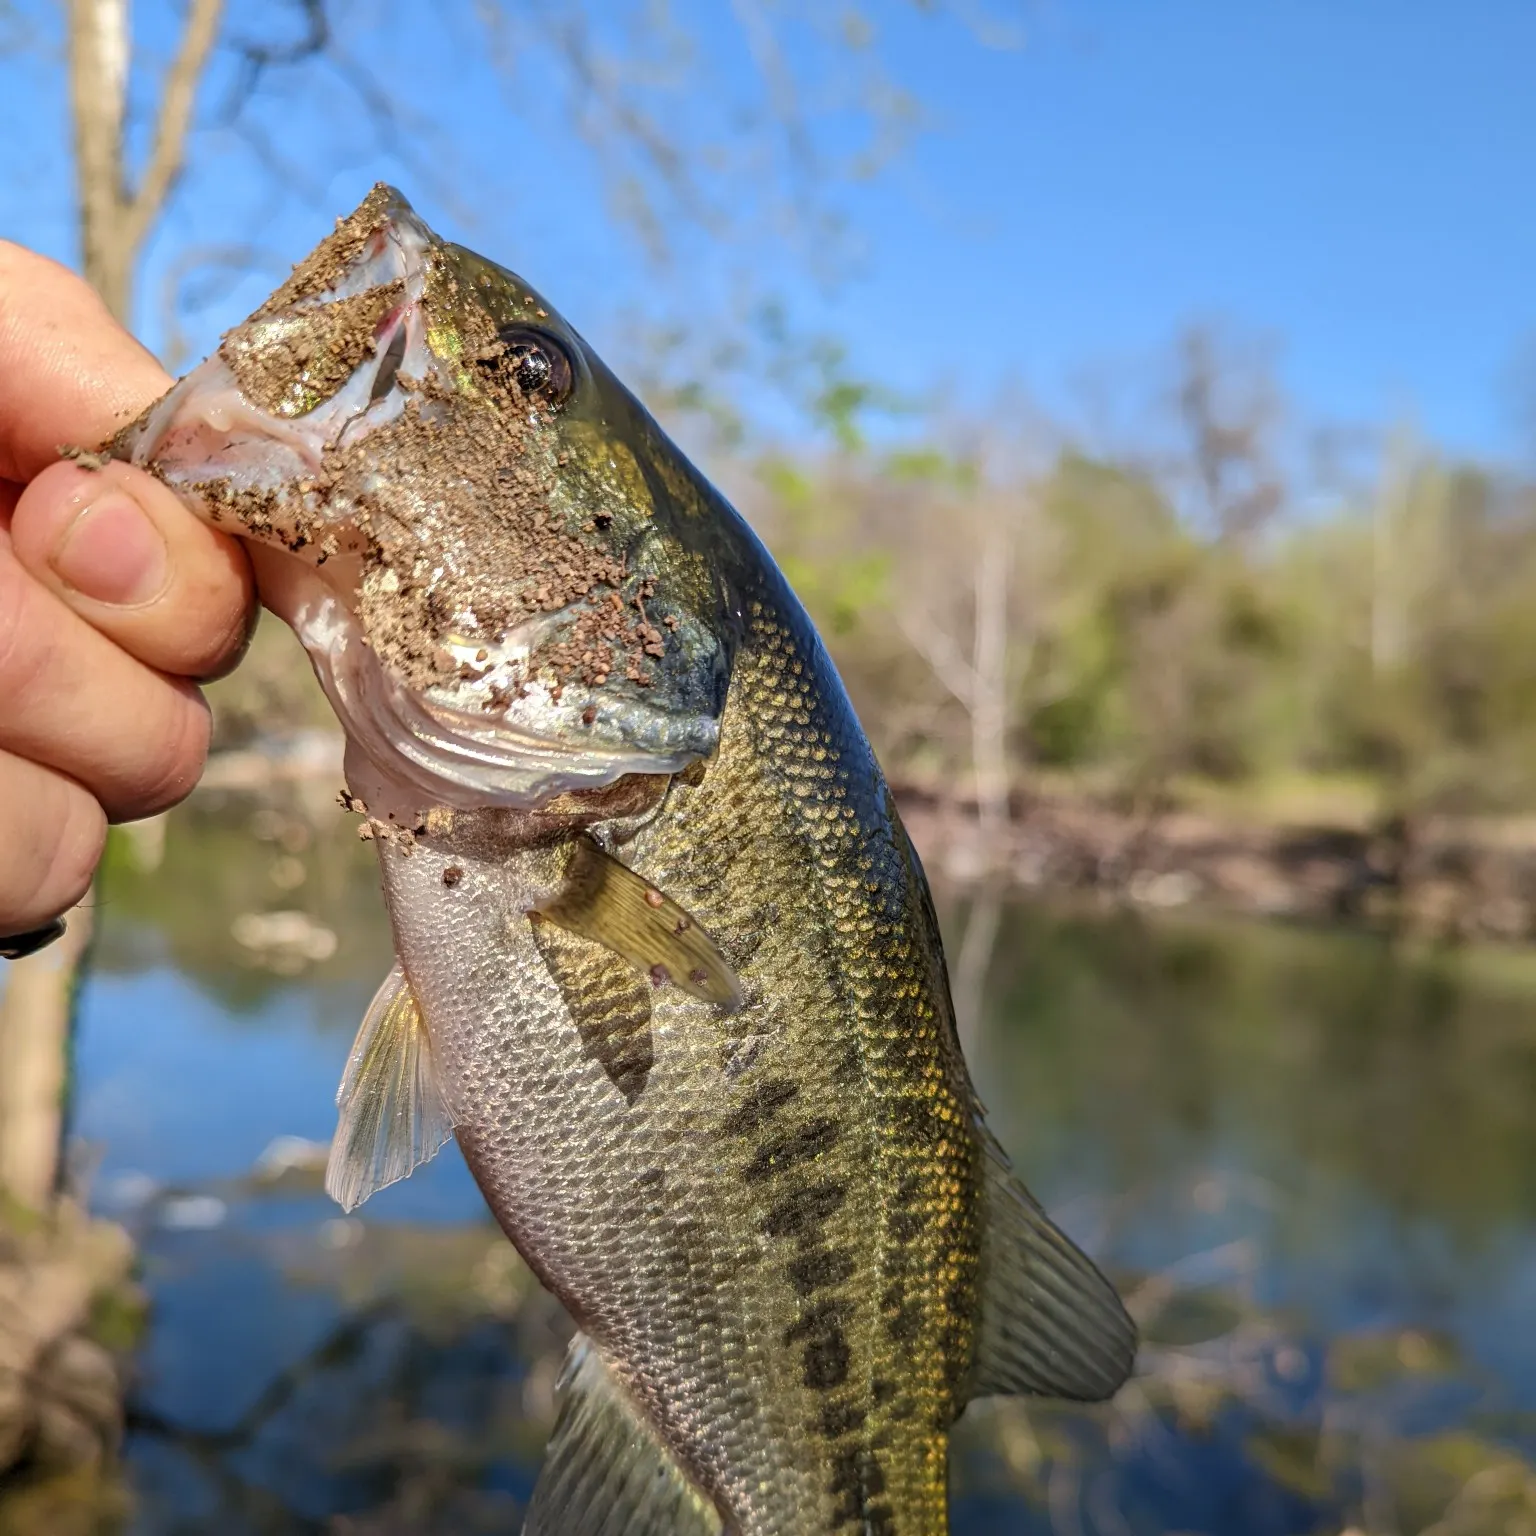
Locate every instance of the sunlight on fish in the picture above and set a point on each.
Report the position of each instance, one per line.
(668, 966)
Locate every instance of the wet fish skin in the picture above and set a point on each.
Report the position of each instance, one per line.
(771, 1230)
(783, 1227)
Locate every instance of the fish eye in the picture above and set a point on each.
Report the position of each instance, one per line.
(537, 363)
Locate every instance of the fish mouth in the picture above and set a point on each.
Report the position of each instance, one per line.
(256, 465)
(262, 470)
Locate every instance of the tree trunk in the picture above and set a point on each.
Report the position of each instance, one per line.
(98, 85)
(115, 219)
(37, 1004)
(36, 1009)
(989, 674)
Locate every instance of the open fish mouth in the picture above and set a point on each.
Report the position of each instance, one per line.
(245, 446)
(274, 438)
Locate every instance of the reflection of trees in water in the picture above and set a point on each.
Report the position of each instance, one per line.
(406, 1431)
(1242, 1420)
(227, 857)
(1365, 1092)
(425, 1407)
(1354, 1071)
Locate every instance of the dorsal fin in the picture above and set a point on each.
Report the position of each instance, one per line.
(1051, 1324)
(606, 901)
(606, 1472)
(391, 1116)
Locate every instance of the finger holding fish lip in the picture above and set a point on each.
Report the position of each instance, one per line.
(123, 553)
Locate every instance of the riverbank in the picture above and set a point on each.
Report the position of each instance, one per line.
(1455, 878)
(1444, 878)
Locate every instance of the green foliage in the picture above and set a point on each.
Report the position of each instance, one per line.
(1390, 635)
(839, 583)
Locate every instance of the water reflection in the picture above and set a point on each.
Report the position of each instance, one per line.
(1311, 1157)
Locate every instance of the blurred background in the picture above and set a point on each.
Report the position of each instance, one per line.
(1142, 397)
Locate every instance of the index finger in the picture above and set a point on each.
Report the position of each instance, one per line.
(69, 373)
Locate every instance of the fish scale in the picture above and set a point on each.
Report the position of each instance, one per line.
(668, 964)
(867, 1006)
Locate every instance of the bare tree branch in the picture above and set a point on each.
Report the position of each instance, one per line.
(779, 79)
(396, 132)
(115, 220)
(942, 653)
(178, 96)
(257, 56)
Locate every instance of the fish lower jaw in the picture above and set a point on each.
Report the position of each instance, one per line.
(426, 752)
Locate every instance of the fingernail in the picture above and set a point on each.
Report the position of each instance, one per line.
(112, 553)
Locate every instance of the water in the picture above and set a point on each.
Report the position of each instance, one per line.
(1309, 1157)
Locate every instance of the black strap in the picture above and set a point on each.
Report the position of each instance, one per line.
(17, 946)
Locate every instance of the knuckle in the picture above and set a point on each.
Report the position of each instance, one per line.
(175, 760)
(52, 851)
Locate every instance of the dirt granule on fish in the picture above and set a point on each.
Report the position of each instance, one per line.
(288, 369)
(329, 262)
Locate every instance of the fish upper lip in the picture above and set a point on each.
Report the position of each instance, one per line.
(211, 396)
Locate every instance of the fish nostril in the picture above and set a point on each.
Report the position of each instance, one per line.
(389, 366)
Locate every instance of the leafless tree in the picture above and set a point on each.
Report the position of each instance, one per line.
(117, 212)
(290, 89)
(975, 614)
(1230, 414)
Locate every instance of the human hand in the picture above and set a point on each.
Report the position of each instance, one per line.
(113, 598)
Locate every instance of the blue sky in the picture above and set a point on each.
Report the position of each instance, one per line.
(1349, 179)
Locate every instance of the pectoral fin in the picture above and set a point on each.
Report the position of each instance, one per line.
(604, 901)
(607, 1472)
(391, 1113)
(1051, 1324)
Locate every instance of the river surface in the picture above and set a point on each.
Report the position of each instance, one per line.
(1308, 1157)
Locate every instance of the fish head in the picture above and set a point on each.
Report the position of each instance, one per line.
(508, 578)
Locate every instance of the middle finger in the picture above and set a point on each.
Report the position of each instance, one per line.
(71, 699)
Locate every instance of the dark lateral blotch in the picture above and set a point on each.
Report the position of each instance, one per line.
(819, 1318)
(799, 1146)
(840, 1418)
(759, 1107)
(826, 1361)
(798, 1213)
(820, 1268)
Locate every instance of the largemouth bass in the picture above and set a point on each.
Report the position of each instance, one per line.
(668, 967)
